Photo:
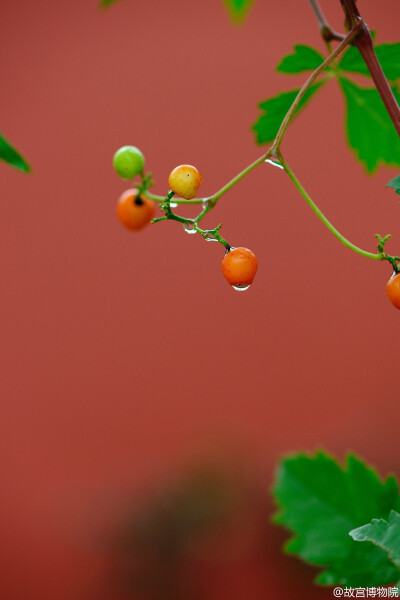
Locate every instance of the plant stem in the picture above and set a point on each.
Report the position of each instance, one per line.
(365, 46)
(158, 198)
(212, 200)
(322, 217)
(362, 40)
(326, 31)
(289, 115)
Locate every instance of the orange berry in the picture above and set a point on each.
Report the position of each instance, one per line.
(393, 289)
(135, 211)
(239, 267)
(184, 181)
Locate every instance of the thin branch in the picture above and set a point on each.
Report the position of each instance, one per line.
(289, 115)
(327, 32)
(379, 256)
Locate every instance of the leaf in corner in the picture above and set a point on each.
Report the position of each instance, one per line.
(320, 502)
(395, 184)
(387, 54)
(304, 58)
(370, 132)
(238, 9)
(274, 110)
(11, 156)
(384, 534)
(107, 3)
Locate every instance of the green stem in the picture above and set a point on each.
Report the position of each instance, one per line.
(308, 83)
(322, 217)
(158, 198)
(207, 233)
(212, 200)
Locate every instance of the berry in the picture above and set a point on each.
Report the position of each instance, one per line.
(393, 289)
(239, 267)
(128, 161)
(184, 181)
(135, 211)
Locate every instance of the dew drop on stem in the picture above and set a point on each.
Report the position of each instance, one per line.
(274, 163)
(189, 228)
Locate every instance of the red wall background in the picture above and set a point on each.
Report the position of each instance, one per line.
(125, 355)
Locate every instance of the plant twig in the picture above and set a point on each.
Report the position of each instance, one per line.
(327, 32)
(289, 115)
(381, 255)
(365, 46)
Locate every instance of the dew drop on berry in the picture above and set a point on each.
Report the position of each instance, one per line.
(274, 163)
(241, 288)
(189, 228)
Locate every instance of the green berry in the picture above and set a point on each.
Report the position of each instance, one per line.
(128, 161)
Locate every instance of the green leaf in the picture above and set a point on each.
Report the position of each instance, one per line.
(238, 9)
(384, 534)
(320, 502)
(267, 125)
(11, 156)
(107, 3)
(370, 132)
(304, 58)
(388, 56)
(395, 184)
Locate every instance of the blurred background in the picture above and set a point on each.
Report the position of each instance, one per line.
(144, 403)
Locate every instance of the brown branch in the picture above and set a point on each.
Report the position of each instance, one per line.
(326, 30)
(364, 44)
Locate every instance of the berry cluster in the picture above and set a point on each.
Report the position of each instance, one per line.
(136, 209)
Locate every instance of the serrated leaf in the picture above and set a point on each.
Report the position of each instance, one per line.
(370, 132)
(388, 56)
(320, 502)
(238, 9)
(384, 534)
(304, 58)
(11, 156)
(267, 125)
(395, 184)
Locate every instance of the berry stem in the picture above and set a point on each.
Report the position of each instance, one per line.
(314, 75)
(158, 198)
(212, 200)
(360, 36)
(322, 217)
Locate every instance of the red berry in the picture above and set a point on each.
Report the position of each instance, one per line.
(239, 267)
(393, 289)
(135, 211)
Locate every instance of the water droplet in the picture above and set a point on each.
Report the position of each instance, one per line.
(189, 228)
(205, 203)
(241, 288)
(173, 204)
(274, 163)
(210, 239)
